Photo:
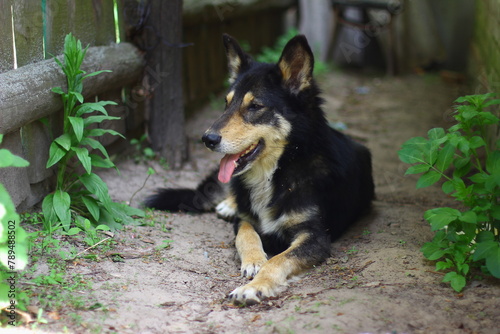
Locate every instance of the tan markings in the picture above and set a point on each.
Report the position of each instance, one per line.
(282, 266)
(273, 275)
(229, 97)
(234, 67)
(287, 220)
(247, 99)
(236, 133)
(250, 250)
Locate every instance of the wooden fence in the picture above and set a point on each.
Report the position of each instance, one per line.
(33, 31)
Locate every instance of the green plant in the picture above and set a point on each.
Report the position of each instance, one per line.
(13, 238)
(81, 194)
(471, 170)
(91, 236)
(142, 152)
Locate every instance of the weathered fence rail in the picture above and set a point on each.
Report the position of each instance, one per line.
(26, 96)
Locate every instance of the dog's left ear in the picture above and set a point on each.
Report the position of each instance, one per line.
(237, 60)
(296, 64)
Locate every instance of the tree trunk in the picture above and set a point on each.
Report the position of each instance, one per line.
(164, 75)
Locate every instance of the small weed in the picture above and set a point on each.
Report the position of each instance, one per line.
(353, 250)
(142, 152)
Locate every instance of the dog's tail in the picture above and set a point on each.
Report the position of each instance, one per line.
(202, 199)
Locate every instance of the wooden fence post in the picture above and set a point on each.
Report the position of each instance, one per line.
(164, 73)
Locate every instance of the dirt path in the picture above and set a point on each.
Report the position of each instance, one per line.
(376, 280)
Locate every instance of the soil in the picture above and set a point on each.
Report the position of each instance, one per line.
(376, 280)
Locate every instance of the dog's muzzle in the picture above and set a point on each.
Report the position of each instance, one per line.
(211, 140)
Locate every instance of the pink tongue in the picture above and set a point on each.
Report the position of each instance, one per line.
(227, 166)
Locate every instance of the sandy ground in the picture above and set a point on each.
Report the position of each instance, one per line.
(376, 280)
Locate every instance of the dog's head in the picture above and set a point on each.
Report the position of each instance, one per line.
(255, 125)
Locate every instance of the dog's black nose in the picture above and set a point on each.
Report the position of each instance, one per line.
(211, 140)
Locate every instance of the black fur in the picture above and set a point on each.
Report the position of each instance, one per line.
(319, 170)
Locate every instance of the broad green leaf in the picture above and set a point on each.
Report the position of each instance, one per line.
(457, 281)
(102, 227)
(7, 159)
(93, 106)
(98, 119)
(130, 211)
(469, 217)
(56, 153)
(476, 142)
(98, 161)
(95, 145)
(83, 155)
(479, 177)
(485, 249)
(411, 155)
(98, 187)
(73, 231)
(445, 157)
(432, 250)
(493, 261)
(78, 125)
(442, 265)
(96, 73)
(485, 236)
(463, 145)
(417, 169)
(441, 217)
(64, 141)
(493, 163)
(416, 142)
(58, 90)
(49, 215)
(431, 153)
(459, 172)
(78, 96)
(495, 211)
(62, 202)
(488, 118)
(428, 179)
(448, 187)
(492, 102)
(100, 132)
(436, 133)
(92, 206)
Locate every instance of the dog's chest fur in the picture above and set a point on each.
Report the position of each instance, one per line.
(259, 184)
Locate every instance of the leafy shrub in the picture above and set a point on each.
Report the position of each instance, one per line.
(13, 238)
(81, 194)
(471, 170)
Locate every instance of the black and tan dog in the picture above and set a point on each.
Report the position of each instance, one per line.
(291, 183)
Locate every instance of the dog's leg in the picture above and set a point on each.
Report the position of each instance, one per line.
(307, 249)
(250, 250)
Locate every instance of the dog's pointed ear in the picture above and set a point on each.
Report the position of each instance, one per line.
(237, 59)
(296, 64)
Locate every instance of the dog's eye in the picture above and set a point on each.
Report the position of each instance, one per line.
(255, 107)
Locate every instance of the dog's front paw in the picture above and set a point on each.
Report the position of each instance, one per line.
(250, 268)
(251, 294)
(226, 208)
